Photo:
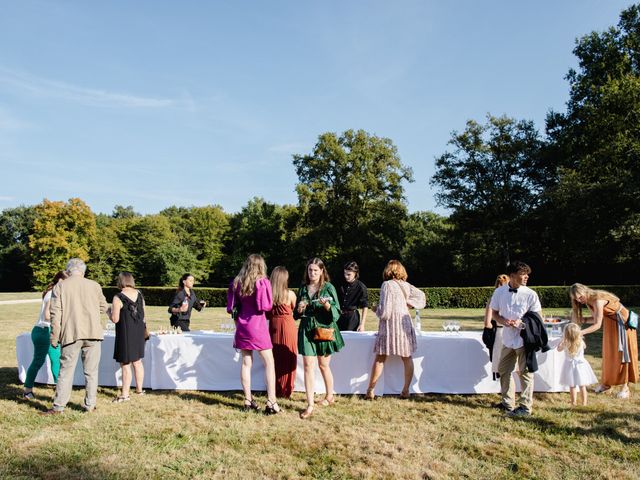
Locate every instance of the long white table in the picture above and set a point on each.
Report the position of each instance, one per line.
(444, 363)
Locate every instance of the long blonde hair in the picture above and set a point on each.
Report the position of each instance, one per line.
(572, 339)
(280, 286)
(253, 268)
(591, 296)
(501, 280)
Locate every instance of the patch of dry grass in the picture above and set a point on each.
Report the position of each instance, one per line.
(205, 435)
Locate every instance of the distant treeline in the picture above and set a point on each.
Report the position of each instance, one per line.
(566, 202)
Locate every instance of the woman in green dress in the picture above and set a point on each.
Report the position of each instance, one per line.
(317, 306)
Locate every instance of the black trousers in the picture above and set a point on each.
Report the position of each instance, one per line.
(349, 321)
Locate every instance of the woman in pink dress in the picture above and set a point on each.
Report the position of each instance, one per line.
(396, 335)
(250, 296)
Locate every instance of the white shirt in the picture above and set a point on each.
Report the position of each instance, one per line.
(41, 320)
(513, 306)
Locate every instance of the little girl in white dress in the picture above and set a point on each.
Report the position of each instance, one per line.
(576, 372)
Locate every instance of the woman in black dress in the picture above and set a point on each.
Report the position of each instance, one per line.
(353, 295)
(183, 302)
(128, 315)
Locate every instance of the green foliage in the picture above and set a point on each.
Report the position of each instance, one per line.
(351, 199)
(60, 231)
(16, 224)
(491, 181)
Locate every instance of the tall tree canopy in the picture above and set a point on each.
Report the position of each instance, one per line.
(491, 181)
(351, 198)
(60, 231)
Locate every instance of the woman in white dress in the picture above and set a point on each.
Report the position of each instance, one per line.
(490, 323)
(396, 335)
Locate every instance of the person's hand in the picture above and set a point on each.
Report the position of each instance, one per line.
(203, 303)
(325, 302)
(360, 328)
(302, 306)
(184, 307)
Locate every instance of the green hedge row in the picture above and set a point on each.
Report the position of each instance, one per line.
(437, 297)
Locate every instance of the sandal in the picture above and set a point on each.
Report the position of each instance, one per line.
(404, 395)
(272, 408)
(601, 388)
(141, 392)
(623, 393)
(28, 396)
(326, 401)
(120, 399)
(250, 405)
(370, 395)
(306, 413)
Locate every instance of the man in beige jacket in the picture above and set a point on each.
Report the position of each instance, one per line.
(76, 305)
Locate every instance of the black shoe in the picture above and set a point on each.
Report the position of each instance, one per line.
(51, 411)
(519, 412)
(250, 405)
(271, 408)
(502, 406)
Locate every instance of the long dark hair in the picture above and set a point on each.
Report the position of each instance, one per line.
(182, 279)
(61, 275)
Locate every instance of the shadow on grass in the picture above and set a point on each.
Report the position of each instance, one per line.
(232, 399)
(607, 424)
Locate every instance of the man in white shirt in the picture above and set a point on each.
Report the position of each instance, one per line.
(508, 304)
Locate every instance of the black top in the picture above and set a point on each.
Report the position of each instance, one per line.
(178, 298)
(130, 330)
(353, 296)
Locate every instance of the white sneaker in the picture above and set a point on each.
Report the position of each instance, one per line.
(623, 393)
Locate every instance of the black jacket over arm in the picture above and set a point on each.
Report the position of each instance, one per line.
(535, 338)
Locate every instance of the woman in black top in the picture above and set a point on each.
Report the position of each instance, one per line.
(353, 295)
(183, 302)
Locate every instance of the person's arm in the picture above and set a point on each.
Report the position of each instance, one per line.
(264, 295)
(47, 313)
(292, 299)
(55, 315)
(598, 315)
(488, 315)
(176, 304)
(561, 346)
(500, 320)
(116, 305)
(417, 298)
(363, 319)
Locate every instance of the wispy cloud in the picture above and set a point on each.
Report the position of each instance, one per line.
(44, 87)
(10, 122)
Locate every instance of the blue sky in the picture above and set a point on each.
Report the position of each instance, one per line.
(159, 103)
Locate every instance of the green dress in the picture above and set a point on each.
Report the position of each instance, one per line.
(316, 313)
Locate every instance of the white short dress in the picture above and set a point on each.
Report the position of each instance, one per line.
(576, 371)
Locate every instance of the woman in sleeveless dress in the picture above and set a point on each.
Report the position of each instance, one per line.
(283, 332)
(318, 306)
(128, 315)
(619, 343)
(396, 335)
(250, 294)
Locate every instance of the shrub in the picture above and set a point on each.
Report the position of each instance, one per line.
(437, 297)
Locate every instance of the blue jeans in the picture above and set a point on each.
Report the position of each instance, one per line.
(40, 336)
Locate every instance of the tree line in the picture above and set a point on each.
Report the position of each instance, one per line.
(567, 201)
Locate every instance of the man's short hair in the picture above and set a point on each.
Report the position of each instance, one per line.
(518, 267)
(76, 265)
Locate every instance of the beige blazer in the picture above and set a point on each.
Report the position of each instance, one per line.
(76, 305)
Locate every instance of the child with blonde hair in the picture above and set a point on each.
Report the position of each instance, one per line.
(576, 371)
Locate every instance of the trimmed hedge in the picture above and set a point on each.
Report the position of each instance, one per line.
(437, 297)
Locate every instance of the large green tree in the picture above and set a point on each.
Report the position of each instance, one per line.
(594, 211)
(351, 199)
(61, 230)
(491, 180)
(16, 224)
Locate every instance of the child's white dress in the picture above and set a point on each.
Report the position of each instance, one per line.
(576, 371)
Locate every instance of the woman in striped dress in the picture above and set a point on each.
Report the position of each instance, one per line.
(396, 335)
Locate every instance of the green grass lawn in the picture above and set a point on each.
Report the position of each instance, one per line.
(184, 434)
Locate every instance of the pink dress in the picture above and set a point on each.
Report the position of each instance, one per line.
(396, 335)
(252, 328)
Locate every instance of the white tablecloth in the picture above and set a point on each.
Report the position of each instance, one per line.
(444, 363)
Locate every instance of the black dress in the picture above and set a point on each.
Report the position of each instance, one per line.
(129, 344)
(352, 297)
